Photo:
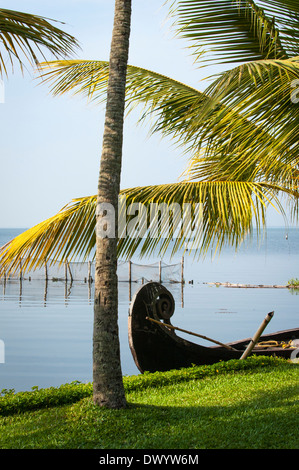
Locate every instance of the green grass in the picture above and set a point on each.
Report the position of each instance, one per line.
(250, 404)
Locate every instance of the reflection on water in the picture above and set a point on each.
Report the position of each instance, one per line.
(49, 292)
(47, 331)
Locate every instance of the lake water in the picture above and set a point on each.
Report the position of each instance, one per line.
(47, 333)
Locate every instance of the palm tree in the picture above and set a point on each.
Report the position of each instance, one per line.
(240, 134)
(26, 35)
(108, 387)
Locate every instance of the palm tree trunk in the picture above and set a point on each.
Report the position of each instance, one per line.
(108, 387)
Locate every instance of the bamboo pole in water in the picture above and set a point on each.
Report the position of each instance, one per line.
(69, 270)
(130, 271)
(89, 271)
(257, 335)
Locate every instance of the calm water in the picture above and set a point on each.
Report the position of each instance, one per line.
(47, 334)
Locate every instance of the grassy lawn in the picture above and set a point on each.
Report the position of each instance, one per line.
(251, 404)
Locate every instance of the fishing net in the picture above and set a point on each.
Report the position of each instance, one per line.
(156, 272)
(127, 271)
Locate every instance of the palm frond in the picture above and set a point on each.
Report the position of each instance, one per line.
(89, 78)
(173, 108)
(26, 35)
(265, 139)
(230, 31)
(211, 213)
(217, 213)
(70, 233)
(256, 88)
(286, 14)
(217, 122)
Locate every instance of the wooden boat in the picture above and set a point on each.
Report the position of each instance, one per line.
(155, 346)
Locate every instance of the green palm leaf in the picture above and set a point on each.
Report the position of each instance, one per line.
(228, 211)
(194, 119)
(222, 212)
(286, 14)
(257, 89)
(233, 31)
(171, 106)
(265, 141)
(68, 233)
(23, 34)
(90, 78)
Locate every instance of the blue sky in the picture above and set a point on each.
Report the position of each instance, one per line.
(51, 147)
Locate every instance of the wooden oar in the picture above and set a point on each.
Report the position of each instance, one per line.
(191, 333)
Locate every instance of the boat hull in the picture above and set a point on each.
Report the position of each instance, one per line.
(156, 347)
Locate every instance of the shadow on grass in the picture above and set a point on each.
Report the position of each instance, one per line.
(263, 421)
